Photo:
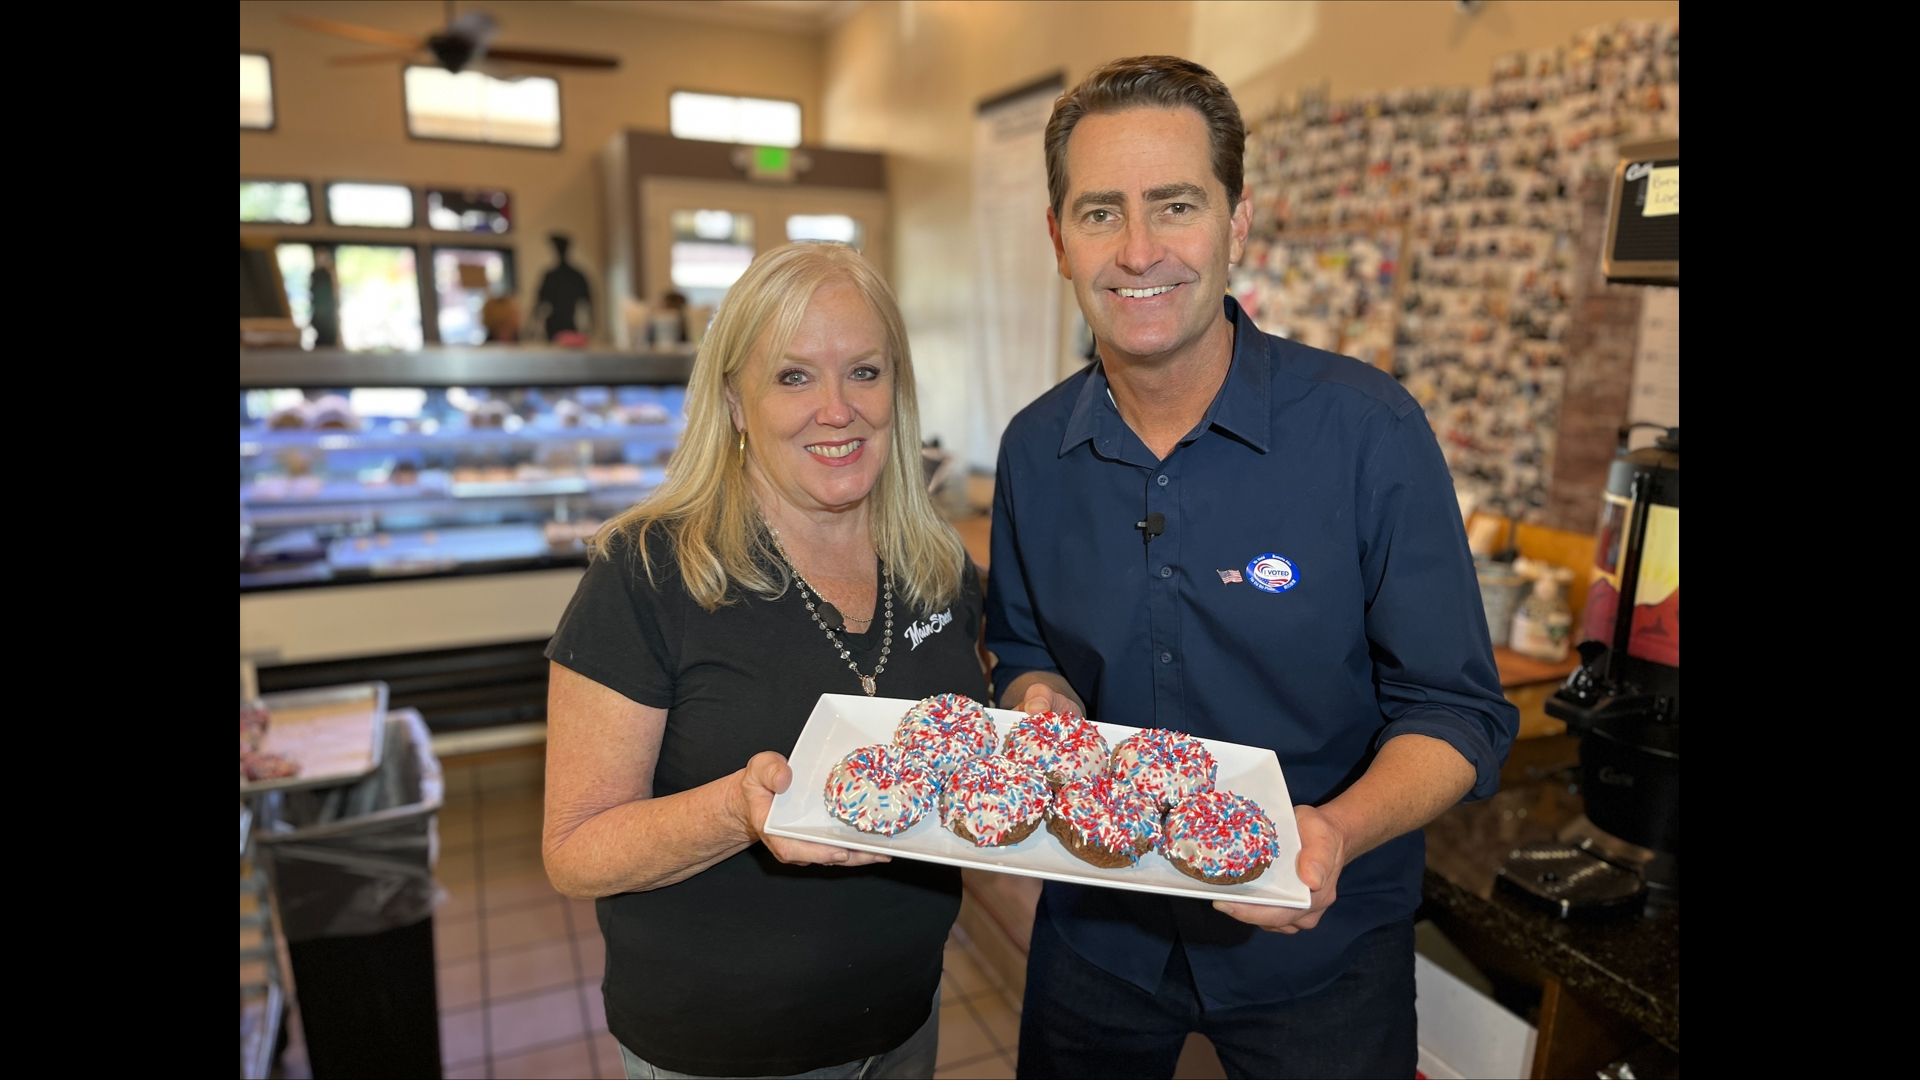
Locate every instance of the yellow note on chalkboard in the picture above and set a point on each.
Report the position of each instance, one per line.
(1663, 192)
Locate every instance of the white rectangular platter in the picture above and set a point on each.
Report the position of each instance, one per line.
(842, 723)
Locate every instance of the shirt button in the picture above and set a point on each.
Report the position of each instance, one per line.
(1163, 479)
(1166, 571)
(1166, 658)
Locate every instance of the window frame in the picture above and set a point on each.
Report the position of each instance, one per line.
(273, 91)
(745, 97)
(313, 208)
(323, 232)
(560, 120)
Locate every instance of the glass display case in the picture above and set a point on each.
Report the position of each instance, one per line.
(362, 468)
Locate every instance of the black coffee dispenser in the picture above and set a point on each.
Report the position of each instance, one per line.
(1624, 701)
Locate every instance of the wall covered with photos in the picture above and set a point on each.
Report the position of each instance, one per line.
(1436, 234)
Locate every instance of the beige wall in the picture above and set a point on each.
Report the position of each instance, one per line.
(350, 123)
(905, 77)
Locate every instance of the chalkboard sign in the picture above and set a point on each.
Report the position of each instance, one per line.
(1643, 226)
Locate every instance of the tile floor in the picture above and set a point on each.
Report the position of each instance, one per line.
(520, 965)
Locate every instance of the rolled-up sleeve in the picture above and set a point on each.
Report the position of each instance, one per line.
(1013, 634)
(1426, 627)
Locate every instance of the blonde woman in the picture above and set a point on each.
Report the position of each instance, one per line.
(688, 662)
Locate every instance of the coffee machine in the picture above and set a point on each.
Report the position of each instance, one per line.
(1624, 701)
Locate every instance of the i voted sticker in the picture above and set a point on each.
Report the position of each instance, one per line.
(1272, 573)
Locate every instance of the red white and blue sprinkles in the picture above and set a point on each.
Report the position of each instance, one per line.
(993, 797)
(1110, 815)
(1169, 765)
(880, 789)
(1221, 835)
(946, 732)
(1065, 746)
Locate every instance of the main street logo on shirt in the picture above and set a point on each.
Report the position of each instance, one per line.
(921, 631)
(1272, 573)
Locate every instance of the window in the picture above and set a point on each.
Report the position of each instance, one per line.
(283, 202)
(383, 206)
(464, 279)
(754, 121)
(346, 293)
(711, 249)
(374, 302)
(379, 292)
(348, 289)
(838, 228)
(256, 92)
(472, 107)
(469, 211)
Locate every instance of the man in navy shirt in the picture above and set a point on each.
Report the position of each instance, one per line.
(1221, 532)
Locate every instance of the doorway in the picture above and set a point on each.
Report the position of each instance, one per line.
(699, 235)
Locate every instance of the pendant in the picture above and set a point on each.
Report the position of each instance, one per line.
(831, 617)
(867, 684)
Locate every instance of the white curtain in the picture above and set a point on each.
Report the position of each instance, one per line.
(1016, 310)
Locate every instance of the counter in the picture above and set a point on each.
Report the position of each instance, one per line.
(1604, 986)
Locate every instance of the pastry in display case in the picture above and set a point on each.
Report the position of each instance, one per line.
(347, 484)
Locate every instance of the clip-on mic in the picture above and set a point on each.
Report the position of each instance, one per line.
(1152, 527)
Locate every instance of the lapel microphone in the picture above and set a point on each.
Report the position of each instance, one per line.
(1152, 527)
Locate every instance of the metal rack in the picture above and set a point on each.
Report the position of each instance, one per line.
(263, 997)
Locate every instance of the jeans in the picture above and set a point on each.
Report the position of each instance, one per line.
(910, 1060)
(1081, 1021)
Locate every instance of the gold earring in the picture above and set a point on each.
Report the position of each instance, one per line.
(743, 440)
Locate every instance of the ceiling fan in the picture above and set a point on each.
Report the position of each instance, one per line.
(466, 42)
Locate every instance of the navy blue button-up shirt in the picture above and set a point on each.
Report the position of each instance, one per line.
(1329, 465)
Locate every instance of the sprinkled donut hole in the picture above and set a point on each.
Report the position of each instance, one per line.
(1105, 822)
(1168, 765)
(1220, 838)
(1065, 746)
(880, 789)
(995, 802)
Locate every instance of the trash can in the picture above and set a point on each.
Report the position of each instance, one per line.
(352, 875)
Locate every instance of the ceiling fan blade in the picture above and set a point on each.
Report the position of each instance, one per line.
(552, 58)
(366, 34)
(387, 56)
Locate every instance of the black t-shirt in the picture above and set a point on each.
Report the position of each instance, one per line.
(751, 967)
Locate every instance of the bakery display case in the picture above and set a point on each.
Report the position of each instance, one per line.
(419, 518)
(411, 470)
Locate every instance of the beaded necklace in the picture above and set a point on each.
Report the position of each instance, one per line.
(869, 683)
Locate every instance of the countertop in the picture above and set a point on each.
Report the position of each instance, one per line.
(1518, 670)
(1630, 967)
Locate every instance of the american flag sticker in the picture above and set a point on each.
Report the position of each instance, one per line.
(1229, 577)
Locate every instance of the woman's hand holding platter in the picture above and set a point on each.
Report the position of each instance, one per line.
(767, 775)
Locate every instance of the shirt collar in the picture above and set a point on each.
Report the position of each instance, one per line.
(1240, 409)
